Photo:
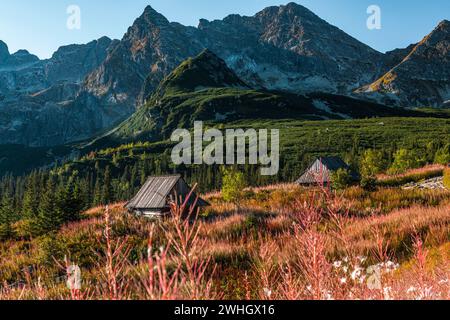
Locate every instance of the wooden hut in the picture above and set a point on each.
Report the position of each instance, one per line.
(154, 198)
(322, 168)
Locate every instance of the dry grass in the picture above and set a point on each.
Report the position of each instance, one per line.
(413, 175)
(424, 170)
(283, 243)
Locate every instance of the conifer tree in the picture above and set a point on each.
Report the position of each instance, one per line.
(97, 191)
(30, 199)
(6, 217)
(49, 218)
(107, 191)
(69, 203)
(85, 193)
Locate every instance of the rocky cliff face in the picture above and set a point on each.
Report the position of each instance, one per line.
(74, 62)
(290, 48)
(149, 51)
(37, 96)
(286, 48)
(4, 52)
(280, 48)
(20, 58)
(421, 78)
(205, 88)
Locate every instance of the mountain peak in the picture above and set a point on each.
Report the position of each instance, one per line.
(427, 62)
(444, 23)
(442, 28)
(151, 15)
(206, 70)
(295, 6)
(206, 55)
(21, 52)
(104, 39)
(290, 9)
(439, 39)
(149, 9)
(18, 58)
(4, 52)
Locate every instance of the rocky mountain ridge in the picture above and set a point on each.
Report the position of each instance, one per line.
(205, 88)
(421, 78)
(36, 95)
(86, 89)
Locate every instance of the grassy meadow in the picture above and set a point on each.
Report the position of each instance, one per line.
(279, 242)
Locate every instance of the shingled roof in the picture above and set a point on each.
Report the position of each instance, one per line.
(156, 192)
(320, 170)
(334, 163)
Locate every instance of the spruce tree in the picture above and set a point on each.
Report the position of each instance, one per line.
(68, 201)
(6, 217)
(97, 192)
(84, 194)
(30, 199)
(50, 217)
(107, 192)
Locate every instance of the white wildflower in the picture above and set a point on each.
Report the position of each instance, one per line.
(387, 293)
(362, 278)
(391, 266)
(411, 289)
(428, 291)
(267, 292)
(327, 295)
(356, 273)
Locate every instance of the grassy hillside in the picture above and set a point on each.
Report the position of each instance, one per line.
(300, 141)
(160, 117)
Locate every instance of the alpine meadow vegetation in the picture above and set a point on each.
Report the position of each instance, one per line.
(283, 242)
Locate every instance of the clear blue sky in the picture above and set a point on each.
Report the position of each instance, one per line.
(40, 26)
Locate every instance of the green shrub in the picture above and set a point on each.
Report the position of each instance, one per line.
(404, 160)
(443, 155)
(372, 163)
(447, 178)
(233, 185)
(82, 248)
(26, 228)
(341, 179)
(369, 183)
(50, 249)
(262, 196)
